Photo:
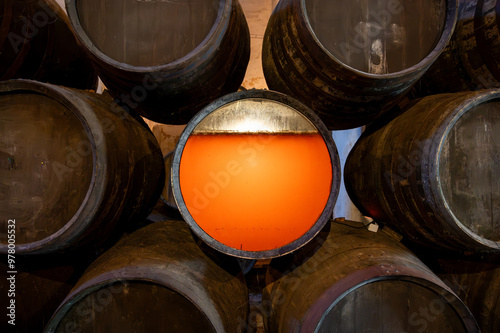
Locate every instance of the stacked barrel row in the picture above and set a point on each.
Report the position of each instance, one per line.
(430, 170)
(255, 174)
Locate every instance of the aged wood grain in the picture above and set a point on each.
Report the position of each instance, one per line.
(470, 60)
(156, 280)
(72, 169)
(351, 280)
(432, 172)
(477, 282)
(284, 184)
(164, 59)
(341, 90)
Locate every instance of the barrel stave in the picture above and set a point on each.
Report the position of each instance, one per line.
(305, 289)
(163, 254)
(184, 86)
(344, 97)
(115, 157)
(406, 156)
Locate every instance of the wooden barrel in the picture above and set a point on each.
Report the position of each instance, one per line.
(352, 62)
(36, 289)
(477, 282)
(475, 278)
(352, 280)
(256, 174)
(432, 172)
(470, 60)
(156, 280)
(71, 169)
(36, 43)
(171, 58)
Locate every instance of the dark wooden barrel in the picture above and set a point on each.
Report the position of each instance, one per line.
(156, 280)
(71, 169)
(475, 278)
(352, 62)
(477, 282)
(471, 60)
(36, 43)
(352, 280)
(256, 174)
(165, 59)
(37, 288)
(432, 172)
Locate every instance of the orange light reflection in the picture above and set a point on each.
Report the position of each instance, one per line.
(255, 192)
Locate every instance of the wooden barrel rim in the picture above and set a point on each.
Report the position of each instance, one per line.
(478, 99)
(459, 307)
(214, 35)
(91, 125)
(322, 130)
(164, 278)
(320, 309)
(451, 19)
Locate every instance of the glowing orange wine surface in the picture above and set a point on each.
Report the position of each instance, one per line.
(255, 192)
